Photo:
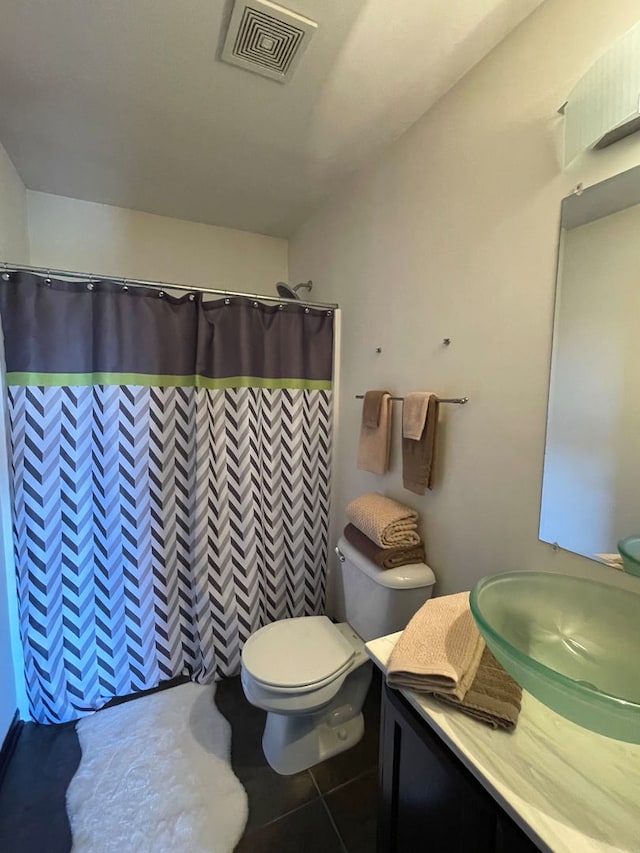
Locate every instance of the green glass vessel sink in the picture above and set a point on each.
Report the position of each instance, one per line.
(573, 643)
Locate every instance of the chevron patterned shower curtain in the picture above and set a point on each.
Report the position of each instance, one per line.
(171, 465)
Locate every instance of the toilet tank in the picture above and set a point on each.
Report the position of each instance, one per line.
(381, 601)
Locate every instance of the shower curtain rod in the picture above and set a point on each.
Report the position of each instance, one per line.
(139, 282)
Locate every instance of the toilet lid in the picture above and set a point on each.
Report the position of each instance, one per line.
(296, 652)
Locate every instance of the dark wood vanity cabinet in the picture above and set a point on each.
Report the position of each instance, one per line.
(428, 801)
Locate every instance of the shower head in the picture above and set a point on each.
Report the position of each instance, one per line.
(288, 292)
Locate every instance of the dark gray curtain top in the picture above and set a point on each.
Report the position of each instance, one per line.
(241, 340)
(65, 329)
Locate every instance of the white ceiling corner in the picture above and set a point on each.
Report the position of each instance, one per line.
(126, 102)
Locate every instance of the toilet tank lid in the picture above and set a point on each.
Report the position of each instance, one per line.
(413, 576)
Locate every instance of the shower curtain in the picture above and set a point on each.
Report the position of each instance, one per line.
(171, 469)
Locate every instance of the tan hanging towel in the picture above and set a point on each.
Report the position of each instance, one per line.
(375, 432)
(419, 433)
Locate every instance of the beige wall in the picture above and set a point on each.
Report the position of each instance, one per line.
(453, 233)
(83, 236)
(14, 246)
(14, 238)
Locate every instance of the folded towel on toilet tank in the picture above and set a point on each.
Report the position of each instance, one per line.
(386, 558)
(386, 522)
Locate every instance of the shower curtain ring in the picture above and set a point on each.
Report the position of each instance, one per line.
(47, 280)
(125, 286)
(5, 274)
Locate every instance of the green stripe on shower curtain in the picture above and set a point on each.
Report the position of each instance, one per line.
(150, 380)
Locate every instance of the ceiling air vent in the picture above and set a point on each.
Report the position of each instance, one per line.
(266, 38)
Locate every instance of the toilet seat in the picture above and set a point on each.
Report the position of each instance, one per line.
(297, 655)
(313, 687)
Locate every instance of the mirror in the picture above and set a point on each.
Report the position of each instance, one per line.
(591, 482)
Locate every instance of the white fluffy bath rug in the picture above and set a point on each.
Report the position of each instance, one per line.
(155, 777)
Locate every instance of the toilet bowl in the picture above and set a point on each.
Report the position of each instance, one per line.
(311, 676)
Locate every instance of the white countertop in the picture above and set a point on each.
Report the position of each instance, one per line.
(570, 790)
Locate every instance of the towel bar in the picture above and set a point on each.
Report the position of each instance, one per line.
(460, 400)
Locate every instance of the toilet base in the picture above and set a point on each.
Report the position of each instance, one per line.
(294, 743)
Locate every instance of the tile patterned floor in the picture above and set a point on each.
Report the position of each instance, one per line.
(331, 807)
(328, 809)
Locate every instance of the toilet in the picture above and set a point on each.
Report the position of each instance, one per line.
(311, 676)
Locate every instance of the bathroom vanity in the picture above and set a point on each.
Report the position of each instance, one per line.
(449, 783)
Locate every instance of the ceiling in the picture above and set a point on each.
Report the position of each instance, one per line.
(125, 102)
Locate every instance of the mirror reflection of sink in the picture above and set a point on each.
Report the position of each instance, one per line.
(629, 550)
(573, 643)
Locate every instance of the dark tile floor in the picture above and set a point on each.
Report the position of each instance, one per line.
(331, 807)
(33, 817)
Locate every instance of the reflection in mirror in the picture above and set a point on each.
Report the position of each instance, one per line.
(591, 484)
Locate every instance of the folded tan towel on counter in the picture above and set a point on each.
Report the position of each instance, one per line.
(386, 558)
(386, 522)
(419, 418)
(613, 560)
(493, 698)
(375, 432)
(440, 649)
